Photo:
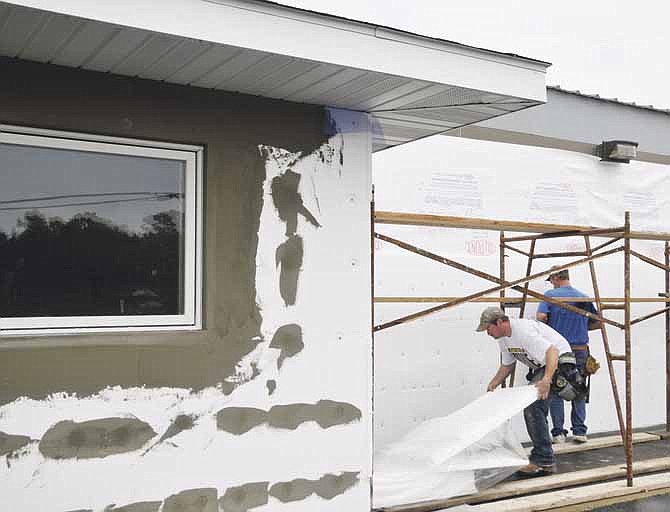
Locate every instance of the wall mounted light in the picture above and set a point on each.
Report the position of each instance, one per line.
(617, 151)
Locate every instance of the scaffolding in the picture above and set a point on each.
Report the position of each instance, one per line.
(536, 232)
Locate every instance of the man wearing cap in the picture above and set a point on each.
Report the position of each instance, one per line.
(537, 346)
(574, 328)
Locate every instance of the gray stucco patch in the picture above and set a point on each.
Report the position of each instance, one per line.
(327, 487)
(193, 500)
(20, 452)
(244, 497)
(228, 386)
(288, 257)
(289, 416)
(142, 506)
(288, 339)
(95, 438)
(271, 385)
(288, 201)
(295, 490)
(238, 420)
(180, 423)
(327, 413)
(10, 442)
(330, 485)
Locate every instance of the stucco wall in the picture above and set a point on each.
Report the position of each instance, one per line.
(267, 407)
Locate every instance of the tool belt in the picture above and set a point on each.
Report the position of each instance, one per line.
(591, 365)
(567, 382)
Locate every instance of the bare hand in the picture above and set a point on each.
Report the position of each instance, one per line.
(491, 386)
(543, 388)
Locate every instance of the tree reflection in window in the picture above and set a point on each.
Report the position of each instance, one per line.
(89, 266)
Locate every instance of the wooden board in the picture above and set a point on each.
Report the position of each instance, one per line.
(601, 442)
(417, 219)
(663, 434)
(518, 300)
(581, 496)
(534, 485)
(609, 501)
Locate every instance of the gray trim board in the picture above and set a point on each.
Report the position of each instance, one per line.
(579, 123)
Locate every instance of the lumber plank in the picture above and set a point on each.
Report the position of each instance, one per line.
(604, 502)
(580, 495)
(596, 443)
(586, 476)
(518, 300)
(663, 434)
(533, 485)
(417, 219)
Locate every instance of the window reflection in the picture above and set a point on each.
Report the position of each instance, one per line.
(90, 234)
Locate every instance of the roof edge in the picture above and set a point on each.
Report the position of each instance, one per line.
(616, 101)
(386, 32)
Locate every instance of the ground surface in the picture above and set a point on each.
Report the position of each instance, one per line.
(655, 504)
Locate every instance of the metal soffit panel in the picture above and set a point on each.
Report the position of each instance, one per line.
(403, 109)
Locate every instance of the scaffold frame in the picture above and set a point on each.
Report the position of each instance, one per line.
(538, 231)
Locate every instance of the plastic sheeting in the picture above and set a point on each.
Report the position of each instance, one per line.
(463, 453)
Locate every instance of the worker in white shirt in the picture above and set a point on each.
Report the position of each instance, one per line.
(537, 346)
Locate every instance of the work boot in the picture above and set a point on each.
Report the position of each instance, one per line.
(532, 470)
(559, 439)
(579, 439)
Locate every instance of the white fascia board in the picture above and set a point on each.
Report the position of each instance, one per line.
(318, 38)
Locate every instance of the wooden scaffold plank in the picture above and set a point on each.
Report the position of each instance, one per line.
(418, 219)
(529, 486)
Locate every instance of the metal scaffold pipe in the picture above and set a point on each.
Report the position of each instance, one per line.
(667, 339)
(629, 394)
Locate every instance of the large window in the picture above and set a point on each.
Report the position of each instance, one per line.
(97, 234)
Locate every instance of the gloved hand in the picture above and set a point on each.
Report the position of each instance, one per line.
(591, 366)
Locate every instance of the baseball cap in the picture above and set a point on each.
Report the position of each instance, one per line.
(561, 274)
(489, 316)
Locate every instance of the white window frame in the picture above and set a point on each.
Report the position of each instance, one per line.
(192, 156)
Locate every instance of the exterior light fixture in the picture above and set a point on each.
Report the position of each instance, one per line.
(617, 151)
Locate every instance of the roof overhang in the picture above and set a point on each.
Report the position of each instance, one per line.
(577, 122)
(412, 85)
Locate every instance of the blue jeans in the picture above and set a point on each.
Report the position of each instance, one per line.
(578, 414)
(538, 431)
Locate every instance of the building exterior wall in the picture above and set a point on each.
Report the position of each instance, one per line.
(435, 365)
(268, 407)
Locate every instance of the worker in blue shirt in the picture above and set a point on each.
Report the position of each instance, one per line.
(575, 328)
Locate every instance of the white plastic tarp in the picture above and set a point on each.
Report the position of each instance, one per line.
(472, 448)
